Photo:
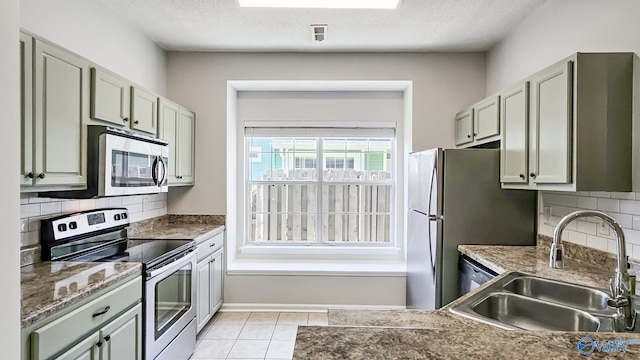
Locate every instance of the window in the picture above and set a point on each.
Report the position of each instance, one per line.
(346, 202)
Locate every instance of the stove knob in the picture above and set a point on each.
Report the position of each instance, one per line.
(73, 225)
(116, 217)
(124, 216)
(62, 227)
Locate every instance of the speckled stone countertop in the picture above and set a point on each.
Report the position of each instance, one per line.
(440, 334)
(50, 286)
(195, 227)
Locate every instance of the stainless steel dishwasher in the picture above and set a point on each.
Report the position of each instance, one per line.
(471, 275)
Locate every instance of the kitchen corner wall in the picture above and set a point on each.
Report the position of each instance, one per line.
(554, 31)
(33, 209)
(590, 232)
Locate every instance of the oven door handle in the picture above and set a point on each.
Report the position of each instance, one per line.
(173, 266)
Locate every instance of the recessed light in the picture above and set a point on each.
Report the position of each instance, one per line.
(322, 4)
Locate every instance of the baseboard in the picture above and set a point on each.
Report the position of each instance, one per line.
(248, 307)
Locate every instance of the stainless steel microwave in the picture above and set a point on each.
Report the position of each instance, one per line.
(121, 162)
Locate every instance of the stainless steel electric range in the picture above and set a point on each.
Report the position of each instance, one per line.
(168, 267)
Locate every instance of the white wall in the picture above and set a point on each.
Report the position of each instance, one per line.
(9, 144)
(442, 85)
(92, 29)
(558, 29)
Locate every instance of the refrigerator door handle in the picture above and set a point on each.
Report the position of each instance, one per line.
(432, 218)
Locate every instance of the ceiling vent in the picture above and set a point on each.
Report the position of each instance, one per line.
(319, 32)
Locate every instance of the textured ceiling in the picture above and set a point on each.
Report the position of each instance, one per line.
(416, 25)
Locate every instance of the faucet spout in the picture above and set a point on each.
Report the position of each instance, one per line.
(620, 285)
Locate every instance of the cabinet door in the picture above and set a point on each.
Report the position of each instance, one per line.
(109, 98)
(122, 338)
(551, 116)
(464, 127)
(203, 304)
(169, 115)
(486, 122)
(186, 147)
(216, 279)
(514, 116)
(87, 349)
(26, 110)
(61, 81)
(144, 114)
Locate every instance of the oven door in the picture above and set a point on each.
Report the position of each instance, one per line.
(169, 303)
(130, 166)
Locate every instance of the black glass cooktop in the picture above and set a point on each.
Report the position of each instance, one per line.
(151, 252)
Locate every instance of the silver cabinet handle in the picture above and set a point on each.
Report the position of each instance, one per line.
(533, 175)
(41, 176)
(125, 119)
(30, 175)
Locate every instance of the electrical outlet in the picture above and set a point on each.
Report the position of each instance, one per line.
(603, 228)
(547, 214)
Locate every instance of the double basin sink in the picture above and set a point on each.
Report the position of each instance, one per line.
(525, 302)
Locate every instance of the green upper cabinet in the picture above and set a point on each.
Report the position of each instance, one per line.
(186, 147)
(60, 89)
(479, 124)
(109, 97)
(169, 115)
(514, 119)
(26, 110)
(568, 127)
(464, 128)
(144, 107)
(116, 102)
(177, 125)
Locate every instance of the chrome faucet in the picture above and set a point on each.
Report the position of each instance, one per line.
(620, 287)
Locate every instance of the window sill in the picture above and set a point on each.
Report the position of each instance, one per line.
(317, 268)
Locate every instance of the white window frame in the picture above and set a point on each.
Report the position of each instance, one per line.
(388, 132)
(260, 260)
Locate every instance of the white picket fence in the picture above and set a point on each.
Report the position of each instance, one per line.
(351, 212)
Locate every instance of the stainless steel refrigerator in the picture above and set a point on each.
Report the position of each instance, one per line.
(455, 198)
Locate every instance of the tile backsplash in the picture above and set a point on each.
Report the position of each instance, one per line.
(622, 206)
(34, 208)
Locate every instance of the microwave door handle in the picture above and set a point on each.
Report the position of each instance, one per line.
(154, 171)
(164, 171)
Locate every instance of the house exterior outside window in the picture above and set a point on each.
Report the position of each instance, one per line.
(349, 201)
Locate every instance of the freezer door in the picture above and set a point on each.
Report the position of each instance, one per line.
(423, 252)
(424, 181)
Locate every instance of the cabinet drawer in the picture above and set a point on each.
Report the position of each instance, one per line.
(59, 334)
(210, 246)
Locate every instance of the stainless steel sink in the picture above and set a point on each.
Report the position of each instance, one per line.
(521, 301)
(521, 312)
(559, 292)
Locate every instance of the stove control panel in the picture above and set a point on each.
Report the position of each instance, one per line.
(78, 224)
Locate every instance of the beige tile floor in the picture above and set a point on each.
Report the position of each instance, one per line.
(255, 335)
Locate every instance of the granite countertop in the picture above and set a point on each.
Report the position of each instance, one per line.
(50, 286)
(193, 227)
(440, 334)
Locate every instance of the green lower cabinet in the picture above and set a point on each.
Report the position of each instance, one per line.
(106, 326)
(121, 339)
(87, 349)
